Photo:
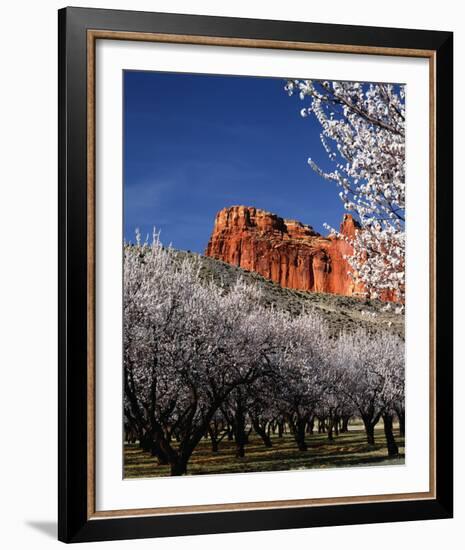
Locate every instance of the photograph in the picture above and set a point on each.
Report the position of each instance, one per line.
(264, 287)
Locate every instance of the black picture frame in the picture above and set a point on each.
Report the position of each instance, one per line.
(75, 524)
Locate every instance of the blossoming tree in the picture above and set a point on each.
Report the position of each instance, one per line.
(203, 359)
(368, 370)
(363, 133)
(188, 345)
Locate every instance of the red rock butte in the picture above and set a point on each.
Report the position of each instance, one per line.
(288, 252)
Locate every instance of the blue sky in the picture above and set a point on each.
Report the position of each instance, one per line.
(195, 144)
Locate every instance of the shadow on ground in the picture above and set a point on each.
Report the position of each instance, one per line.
(348, 450)
(48, 528)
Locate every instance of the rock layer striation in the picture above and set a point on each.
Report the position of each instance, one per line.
(288, 252)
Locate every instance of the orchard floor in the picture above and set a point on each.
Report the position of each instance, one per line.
(347, 450)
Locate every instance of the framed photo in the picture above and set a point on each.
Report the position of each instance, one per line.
(255, 274)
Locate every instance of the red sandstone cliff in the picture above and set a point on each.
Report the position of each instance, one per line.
(285, 251)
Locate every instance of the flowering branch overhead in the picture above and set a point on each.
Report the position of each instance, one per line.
(363, 134)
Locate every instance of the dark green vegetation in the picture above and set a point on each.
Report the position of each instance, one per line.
(340, 312)
(349, 449)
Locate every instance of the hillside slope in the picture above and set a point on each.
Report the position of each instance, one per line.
(338, 311)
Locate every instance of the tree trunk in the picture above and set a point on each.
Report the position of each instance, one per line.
(393, 450)
(266, 440)
(240, 436)
(129, 434)
(145, 443)
(179, 467)
(213, 433)
(161, 457)
(345, 424)
(280, 429)
(311, 425)
(240, 449)
(401, 417)
(299, 434)
(330, 429)
(261, 431)
(370, 431)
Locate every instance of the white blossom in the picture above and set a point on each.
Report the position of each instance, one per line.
(366, 123)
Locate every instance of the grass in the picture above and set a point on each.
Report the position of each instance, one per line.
(347, 450)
